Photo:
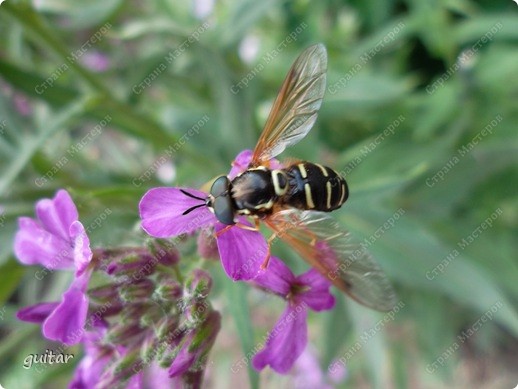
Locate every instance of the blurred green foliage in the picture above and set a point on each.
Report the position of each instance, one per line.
(420, 113)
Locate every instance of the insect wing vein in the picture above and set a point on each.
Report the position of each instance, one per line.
(319, 239)
(296, 107)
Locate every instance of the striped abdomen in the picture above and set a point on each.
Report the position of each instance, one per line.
(314, 187)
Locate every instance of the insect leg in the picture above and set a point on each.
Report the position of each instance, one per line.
(218, 233)
(249, 228)
(240, 225)
(266, 260)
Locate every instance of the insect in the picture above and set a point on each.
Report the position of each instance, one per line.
(295, 201)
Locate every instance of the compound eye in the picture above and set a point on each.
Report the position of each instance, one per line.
(223, 210)
(220, 186)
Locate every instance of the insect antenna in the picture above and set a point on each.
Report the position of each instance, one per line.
(189, 210)
(192, 208)
(191, 195)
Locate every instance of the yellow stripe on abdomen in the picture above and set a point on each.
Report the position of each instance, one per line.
(328, 192)
(309, 196)
(302, 170)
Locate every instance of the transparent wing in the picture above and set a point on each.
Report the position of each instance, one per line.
(296, 107)
(319, 239)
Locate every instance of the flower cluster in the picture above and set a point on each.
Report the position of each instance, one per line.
(147, 317)
(142, 323)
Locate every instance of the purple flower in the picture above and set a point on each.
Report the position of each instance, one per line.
(95, 360)
(168, 212)
(57, 240)
(96, 61)
(240, 164)
(155, 376)
(242, 161)
(288, 338)
(309, 374)
(92, 372)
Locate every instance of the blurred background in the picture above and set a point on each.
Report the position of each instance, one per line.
(109, 98)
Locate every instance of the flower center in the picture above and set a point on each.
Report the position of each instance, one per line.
(297, 289)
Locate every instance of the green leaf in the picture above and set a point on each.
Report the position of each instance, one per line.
(238, 305)
(337, 321)
(409, 253)
(242, 16)
(126, 115)
(80, 15)
(32, 145)
(11, 274)
(98, 107)
(228, 106)
(370, 341)
(490, 26)
(28, 81)
(137, 29)
(361, 89)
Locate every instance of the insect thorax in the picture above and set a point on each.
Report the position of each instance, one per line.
(253, 191)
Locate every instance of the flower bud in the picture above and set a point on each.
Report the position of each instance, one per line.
(207, 245)
(169, 290)
(168, 328)
(194, 349)
(164, 252)
(198, 284)
(122, 333)
(104, 293)
(140, 290)
(122, 370)
(134, 266)
(197, 312)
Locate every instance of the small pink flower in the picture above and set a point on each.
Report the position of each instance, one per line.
(96, 61)
(57, 241)
(288, 338)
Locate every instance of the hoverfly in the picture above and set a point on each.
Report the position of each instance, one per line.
(294, 201)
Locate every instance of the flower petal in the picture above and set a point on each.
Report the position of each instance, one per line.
(277, 278)
(91, 367)
(275, 164)
(35, 246)
(240, 164)
(317, 297)
(182, 362)
(36, 313)
(135, 382)
(337, 371)
(242, 251)
(155, 376)
(308, 373)
(286, 341)
(161, 211)
(57, 214)
(66, 323)
(82, 251)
